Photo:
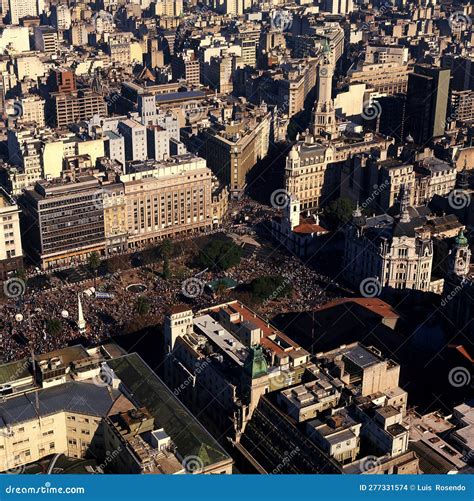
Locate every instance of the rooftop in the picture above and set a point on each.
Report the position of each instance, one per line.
(147, 390)
(226, 342)
(76, 397)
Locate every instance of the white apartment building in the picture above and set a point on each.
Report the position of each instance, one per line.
(22, 8)
(11, 254)
(135, 139)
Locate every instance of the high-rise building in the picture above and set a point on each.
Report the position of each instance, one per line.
(46, 39)
(134, 134)
(462, 105)
(80, 400)
(232, 149)
(63, 221)
(22, 8)
(462, 71)
(234, 356)
(167, 198)
(72, 107)
(119, 48)
(11, 254)
(384, 252)
(338, 6)
(313, 168)
(63, 80)
(186, 66)
(427, 103)
(385, 78)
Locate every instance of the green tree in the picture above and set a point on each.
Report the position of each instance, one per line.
(166, 269)
(142, 306)
(338, 213)
(220, 255)
(93, 262)
(167, 248)
(54, 326)
(268, 287)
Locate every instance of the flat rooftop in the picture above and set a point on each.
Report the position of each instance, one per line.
(226, 342)
(361, 356)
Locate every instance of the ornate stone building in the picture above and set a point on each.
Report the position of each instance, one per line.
(397, 253)
(313, 166)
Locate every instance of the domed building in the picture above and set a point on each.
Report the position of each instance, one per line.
(396, 252)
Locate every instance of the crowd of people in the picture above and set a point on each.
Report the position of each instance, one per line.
(26, 321)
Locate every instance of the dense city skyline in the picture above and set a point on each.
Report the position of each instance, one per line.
(236, 237)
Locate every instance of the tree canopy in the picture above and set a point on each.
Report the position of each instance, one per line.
(94, 261)
(269, 287)
(220, 254)
(339, 212)
(143, 305)
(54, 326)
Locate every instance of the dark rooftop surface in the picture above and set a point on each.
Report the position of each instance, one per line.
(147, 389)
(361, 357)
(77, 397)
(176, 96)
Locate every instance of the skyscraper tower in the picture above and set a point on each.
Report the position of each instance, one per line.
(427, 103)
(324, 115)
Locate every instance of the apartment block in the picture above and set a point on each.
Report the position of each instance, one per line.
(63, 221)
(78, 403)
(167, 198)
(11, 253)
(72, 107)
